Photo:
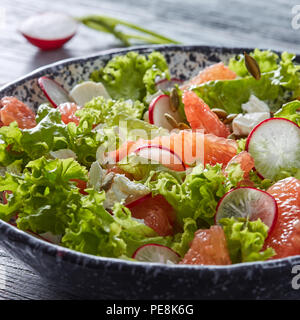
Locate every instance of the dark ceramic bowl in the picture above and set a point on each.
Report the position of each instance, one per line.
(95, 277)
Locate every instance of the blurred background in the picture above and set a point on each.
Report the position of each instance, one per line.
(264, 24)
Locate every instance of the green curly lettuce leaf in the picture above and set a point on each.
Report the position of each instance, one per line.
(245, 240)
(44, 195)
(197, 197)
(55, 135)
(231, 94)
(47, 200)
(11, 148)
(290, 111)
(135, 233)
(50, 134)
(104, 110)
(93, 230)
(267, 61)
(182, 241)
(132, 76)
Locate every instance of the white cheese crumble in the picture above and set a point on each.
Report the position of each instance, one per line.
(255, 105)
(243, 124)
(96, 176)
(122, 189)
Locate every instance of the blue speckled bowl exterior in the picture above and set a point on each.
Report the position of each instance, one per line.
(104, 278)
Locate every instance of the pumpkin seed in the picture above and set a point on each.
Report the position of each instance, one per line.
(108, 181)
(171, 120)
(232, 136)
(230, 118)
(252, 66)
(174, 100)
(183, 126)
(222, 114)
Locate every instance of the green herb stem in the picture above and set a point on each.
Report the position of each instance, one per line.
(109, 25)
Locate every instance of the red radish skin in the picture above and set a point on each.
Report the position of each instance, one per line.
(49, 30)
(175, 256)
(157, 109)
(275, 207)
(47, 45)
(261, 123)
(174, 166)
(257, 127)
(152, 106)
(42, 81)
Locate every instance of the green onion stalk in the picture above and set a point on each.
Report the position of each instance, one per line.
(110, 25)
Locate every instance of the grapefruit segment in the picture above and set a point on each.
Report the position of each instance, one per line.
(245, 160)
(68, 110)
(285, 238)
(13, 109)
(157, 213)
(208, 247)
(200, 116)
(214, 72)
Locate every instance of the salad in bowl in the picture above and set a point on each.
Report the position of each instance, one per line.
(137, 165)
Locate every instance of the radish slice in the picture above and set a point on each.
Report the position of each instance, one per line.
(50, 30)
(157, 109)
(166, 85)
(250, 203)
(160, 154)
(275, 145)
(54, 92)
(156, 253)
(86, 91)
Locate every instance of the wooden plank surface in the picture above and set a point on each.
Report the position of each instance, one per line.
(263, 24)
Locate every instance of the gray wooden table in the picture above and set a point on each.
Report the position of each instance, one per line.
(255, 23)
